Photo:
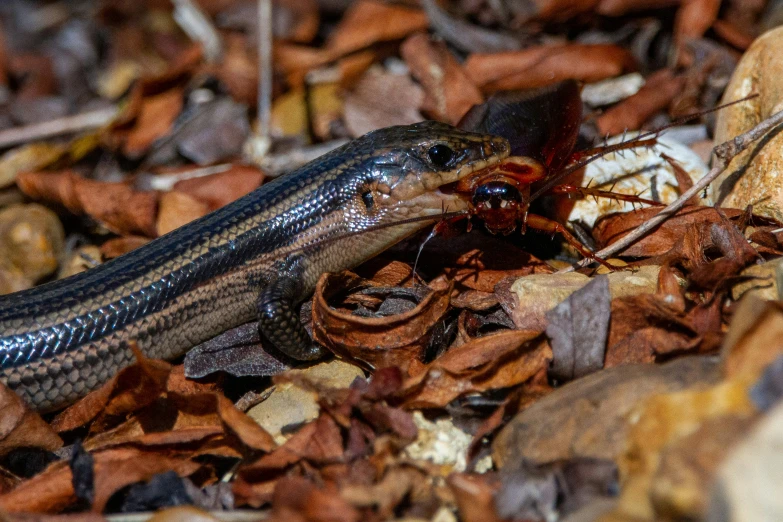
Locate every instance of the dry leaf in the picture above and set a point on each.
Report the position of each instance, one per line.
(449, 92)
(494, 361)
(544, 65)
(396, 340)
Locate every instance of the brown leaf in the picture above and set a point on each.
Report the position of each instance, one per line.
(118, 246)
(129, 390)
(475, 496)
(52, 490)
(177, 209)
(117, 205)
(22, 428)
(38, 73)
(155, 119)
(491, 362)
(643, 326)
(394, 340)
(369, 21)
(238, 70)
(298, 496)
(449, 92)
(381, 99)
(658, 91)
(693, 19)
(613, 227)
(547, 64)
(317, 442)
(221, 189)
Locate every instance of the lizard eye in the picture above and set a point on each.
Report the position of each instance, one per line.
(368, 200)
(440, 155)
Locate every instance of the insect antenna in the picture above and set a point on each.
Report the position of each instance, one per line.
(645, 139)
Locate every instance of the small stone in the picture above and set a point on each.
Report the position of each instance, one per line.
(442, 443)
(587, 417)
(289, 406)
(31, 241)
(529, 298)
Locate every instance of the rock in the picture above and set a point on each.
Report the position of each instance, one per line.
(587, 417)
(680, 486)
(81, 259)
(753, 176)
(31, 243)
(529, 298)
(442, 443)
(762, 282)
(640, 171)
(751, 478)
(288, 405)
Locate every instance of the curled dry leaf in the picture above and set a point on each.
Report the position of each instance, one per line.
(118, 206)
(544, 65)
(657, 93)
(297, 498)
(491, 362)
(396, 340)
(449, 92)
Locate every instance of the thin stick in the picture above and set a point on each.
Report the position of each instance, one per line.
(48, 129)
(264, 70)
(724, 153)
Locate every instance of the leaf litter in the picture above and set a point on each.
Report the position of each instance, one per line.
(458, 341)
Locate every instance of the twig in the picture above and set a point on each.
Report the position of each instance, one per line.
(258, 144)
(198, 27)
(264, 70)
(724, 153)
(48, 129)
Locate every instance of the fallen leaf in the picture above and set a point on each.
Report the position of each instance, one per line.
(381, 99)
(491, 362)
(659, 90)
(578, 329)
(177, 209)
(368, 21)
(117, 205)
(547, 64)
(52, 490)
(155, 120)
(22, 428)
(449, 92)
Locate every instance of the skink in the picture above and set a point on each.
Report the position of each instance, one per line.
(255, 259)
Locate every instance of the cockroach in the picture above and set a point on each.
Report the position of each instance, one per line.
(542, 126)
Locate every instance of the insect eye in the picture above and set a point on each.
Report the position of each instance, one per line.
(368, 200)
(440, 155)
